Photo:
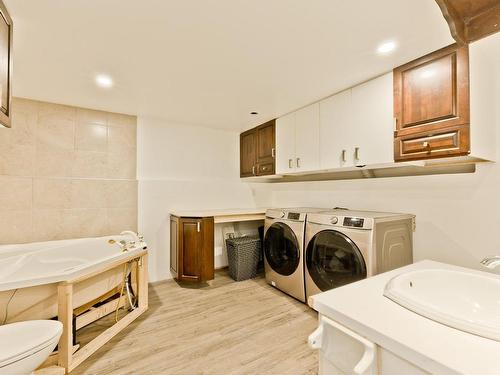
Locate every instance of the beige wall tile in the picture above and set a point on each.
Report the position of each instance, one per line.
(122, 165)
(91, 137)
(87, 222)
(56, 126)
(88, 193)
(51, 224)
(122, 139)
(51, 193)
(15, 226)
(90, 164)
(118, 119)
(90, 116)
(121, 194)
(120, 219)
(53, 162)
(73, 184)
(25, 105)
(16, 160)
(16, 193)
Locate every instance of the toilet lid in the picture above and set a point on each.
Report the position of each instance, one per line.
(18, 340)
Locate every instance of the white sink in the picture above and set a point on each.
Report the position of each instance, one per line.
(467, 301)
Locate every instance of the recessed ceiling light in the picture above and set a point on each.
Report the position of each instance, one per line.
(254, 113)
(386, 47)
(103, 80)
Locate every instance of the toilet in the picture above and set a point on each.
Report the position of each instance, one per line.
(25, 345)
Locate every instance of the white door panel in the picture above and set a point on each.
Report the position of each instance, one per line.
(335, 123)
(285, 144)
(373, 126)
(307, 138)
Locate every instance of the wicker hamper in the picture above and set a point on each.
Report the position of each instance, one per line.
(243, 256)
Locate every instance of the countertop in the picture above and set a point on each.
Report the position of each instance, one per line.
(429, 345)
(223, 212)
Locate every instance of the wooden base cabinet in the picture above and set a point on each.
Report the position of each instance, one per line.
(192, 248)
(342, 351)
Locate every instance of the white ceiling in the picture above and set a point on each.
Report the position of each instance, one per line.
(211, 62)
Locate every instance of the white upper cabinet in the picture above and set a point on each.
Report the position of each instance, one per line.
(297, 141)
(335, 124)
(351, 129)
(307, 138)
(372, 129)
(285, 144)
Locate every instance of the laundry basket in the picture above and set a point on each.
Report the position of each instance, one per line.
(243, 256)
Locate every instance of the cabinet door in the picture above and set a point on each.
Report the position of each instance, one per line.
(307, 138)
(432, 92)
(266, 143)
(372, 131)
(190, 245)
(285, 144)
(248, 153)
(335, 123)
(174, 245)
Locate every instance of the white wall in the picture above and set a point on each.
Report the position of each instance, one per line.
(187, 168)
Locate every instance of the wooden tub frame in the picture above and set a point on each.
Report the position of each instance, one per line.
(68, 357)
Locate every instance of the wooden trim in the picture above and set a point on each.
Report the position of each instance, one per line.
(6, 118)
(96, 313)
(65, 316)
(68, 360)
(470, 20)
(455, 21)
(207, 249)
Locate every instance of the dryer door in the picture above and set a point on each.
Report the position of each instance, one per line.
(333, 260)
(281, 249)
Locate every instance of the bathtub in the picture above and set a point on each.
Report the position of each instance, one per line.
(29, 274)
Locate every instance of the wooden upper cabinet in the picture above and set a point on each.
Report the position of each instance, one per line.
(257, 150)
(6, 30)
(248, 153)
(431, 104)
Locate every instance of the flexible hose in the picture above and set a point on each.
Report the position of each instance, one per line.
(7, 307)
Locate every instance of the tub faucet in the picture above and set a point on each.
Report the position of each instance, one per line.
(122, 244)
(491, 262)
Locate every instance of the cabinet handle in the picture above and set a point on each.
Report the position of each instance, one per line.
(356, 153)
(290, 163)
(264, 168)
(273, 152)
(395, 124)
(344, 159)
(298, 162)
(253, 170)
(198, 226)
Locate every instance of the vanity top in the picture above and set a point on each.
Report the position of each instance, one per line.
(220, 212)
(429, 345)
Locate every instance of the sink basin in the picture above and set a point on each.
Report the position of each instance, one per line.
(466, 301)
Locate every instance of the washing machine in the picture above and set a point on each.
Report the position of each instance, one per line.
(283, 249)
(343, 246)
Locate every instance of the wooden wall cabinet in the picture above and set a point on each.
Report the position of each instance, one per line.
(432, 106)
(192, 248)
(257, 150)
(6, 31)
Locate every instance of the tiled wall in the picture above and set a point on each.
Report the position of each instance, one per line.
(66, 172)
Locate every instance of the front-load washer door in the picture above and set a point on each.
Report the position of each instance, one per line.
(281, 249)
(333, 260)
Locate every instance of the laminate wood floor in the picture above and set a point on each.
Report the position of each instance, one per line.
(225, 327)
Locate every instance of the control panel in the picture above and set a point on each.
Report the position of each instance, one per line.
(293, 216)
(354, 222)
